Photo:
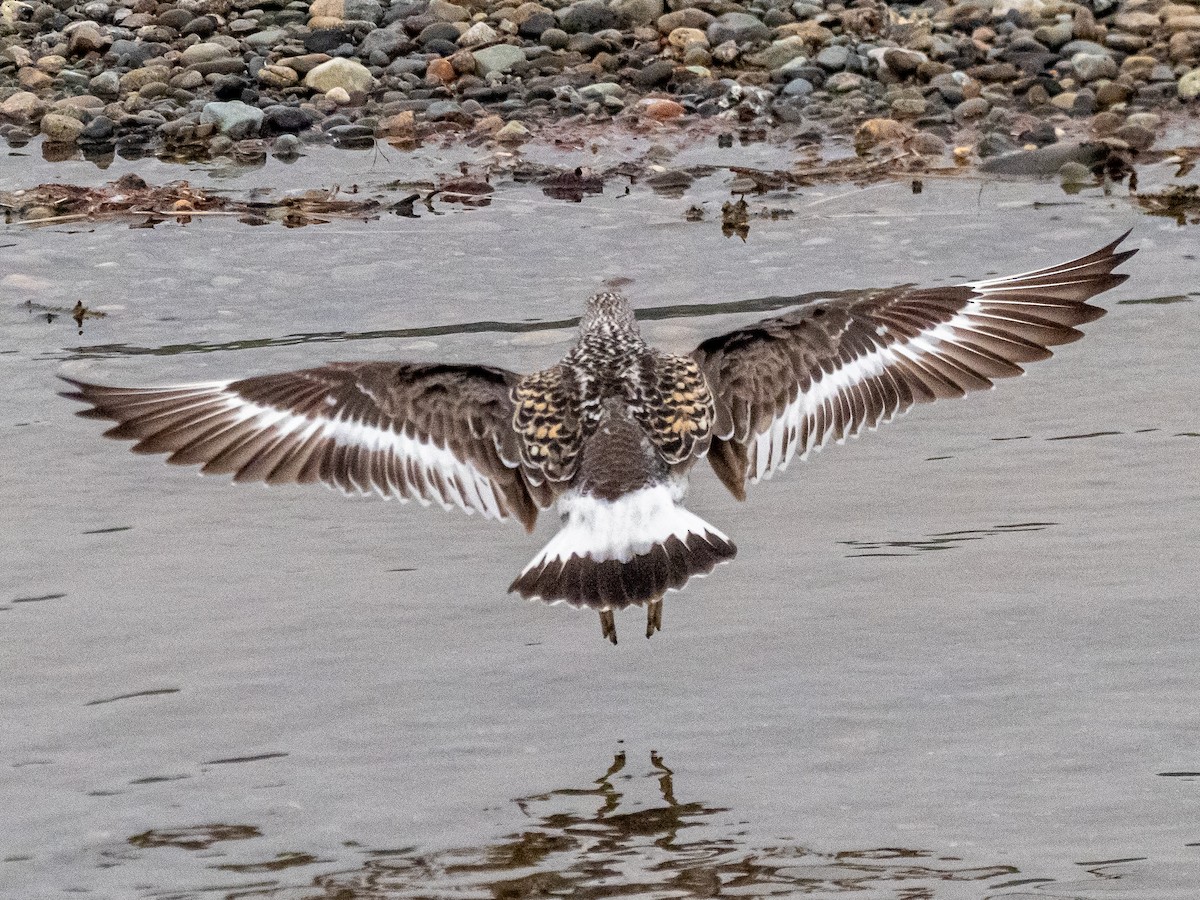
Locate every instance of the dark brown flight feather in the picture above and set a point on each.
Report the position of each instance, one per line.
(349, 425)
(790, 384)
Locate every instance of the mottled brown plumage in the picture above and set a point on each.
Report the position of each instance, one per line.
(610, 432)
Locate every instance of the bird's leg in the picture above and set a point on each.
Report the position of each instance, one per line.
(654, 616)
(608, 625)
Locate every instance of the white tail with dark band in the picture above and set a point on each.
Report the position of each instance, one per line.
(629, 551)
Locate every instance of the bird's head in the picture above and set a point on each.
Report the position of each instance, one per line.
(608, 312)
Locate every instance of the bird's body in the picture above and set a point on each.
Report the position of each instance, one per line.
(609, 434)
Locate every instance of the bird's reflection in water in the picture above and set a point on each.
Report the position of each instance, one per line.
(594, 842)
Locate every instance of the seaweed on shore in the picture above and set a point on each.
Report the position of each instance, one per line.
(1180, 202)
(144, 206)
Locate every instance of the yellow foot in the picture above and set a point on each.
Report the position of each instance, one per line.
(654, 616)
(608, 625)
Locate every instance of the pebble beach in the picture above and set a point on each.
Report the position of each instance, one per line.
(959, 81)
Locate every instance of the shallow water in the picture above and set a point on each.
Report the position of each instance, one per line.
(954, 659)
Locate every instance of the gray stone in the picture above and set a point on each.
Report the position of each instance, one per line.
(601, 89)
(363, 11)
(139, 78)
(726, 52)
(555, 39)
(444, 11)
(1148, 120)
(286, 146)
(994, 145)
(833, 59)
(233, 65)
(106, 84)
(440, 110)
(844, 82)
(438, 31)
(798, 87)
(1162, 72)
(779, 54)
(1092, 66)
(202, 53)
(586, 17)
(201, 26)
(1070, 49)
(478, 34)
(351, 134)
(97, 11)
(1044, 160)
(1136, 136)
(654, 73)
(266, 39)
(739, 27)
(134, 53)
(690, 17)
(533, 27)
(637, 12)
(908, 108)
(286, 120)
(388, 41)
(1056, 35)
(99, 130)
(499, 58)
(797, 68)
(927, 144)
(969, 110)
(233, 118)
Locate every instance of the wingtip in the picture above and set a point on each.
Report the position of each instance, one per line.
(1110, 249)
(79, 391)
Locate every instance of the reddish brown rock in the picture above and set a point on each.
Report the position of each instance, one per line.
(660, 109)
(440, 71)
(400, 125)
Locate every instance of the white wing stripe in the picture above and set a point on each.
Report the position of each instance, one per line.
(988, 285)
(822, 404)
(465, 486)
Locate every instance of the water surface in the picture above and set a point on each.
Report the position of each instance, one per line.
(954, 659)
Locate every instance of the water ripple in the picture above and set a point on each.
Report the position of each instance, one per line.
(946, 540)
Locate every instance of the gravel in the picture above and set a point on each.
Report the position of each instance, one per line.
(203, 77)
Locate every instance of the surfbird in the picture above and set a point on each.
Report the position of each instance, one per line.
(608, 434)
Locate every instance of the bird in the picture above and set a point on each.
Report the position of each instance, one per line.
(608, 435)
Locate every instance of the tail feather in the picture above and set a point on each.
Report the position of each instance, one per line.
(623, 552)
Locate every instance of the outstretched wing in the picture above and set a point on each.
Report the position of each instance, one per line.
(790, 384)
(430, 432)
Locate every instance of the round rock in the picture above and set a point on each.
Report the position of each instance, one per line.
(61, 129)
(797, 87)
(499, 58)
(232, 118)
(587, 17)
(633, 13)
(202, 53)
(833, 59)
(344, 73)
(738, 27)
